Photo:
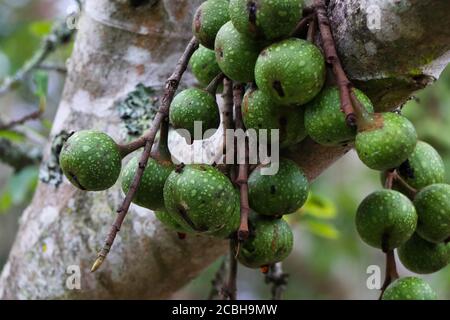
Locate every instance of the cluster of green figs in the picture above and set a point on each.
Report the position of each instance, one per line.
(251, 43)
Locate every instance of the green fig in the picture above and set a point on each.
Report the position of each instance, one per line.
(201, 199)
(433, 207)
(386, 219)
(409, 288)
(270, 241)
(236, 54)
(325, 122)
(423, 168)
(259, 112)
(150, 191)
(282, 193)
(292, 71)
(168, 221)
(193, 105)
(266, 18)
(91, 160)
(204, 66)
(421, 256)
(386, 142)
(210, 16)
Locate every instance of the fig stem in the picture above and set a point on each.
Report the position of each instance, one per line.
(214, 84)
(391, 271)
(242, 157)
(171, 86)
(227, 123)
(312, 28)
(353, 113)
(301, 25)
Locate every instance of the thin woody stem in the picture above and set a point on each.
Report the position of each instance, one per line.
(391, 271)
(214, 84)
(169, 93)
(242, 177)
(302, 25)
(230, 291)
(332, 58)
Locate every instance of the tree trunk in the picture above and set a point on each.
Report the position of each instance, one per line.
(119, 46)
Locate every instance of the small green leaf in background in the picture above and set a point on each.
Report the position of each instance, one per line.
(41, 28)
(19, 188)
(12, 136)
(40, 79)
(319, 207)
(322, 229)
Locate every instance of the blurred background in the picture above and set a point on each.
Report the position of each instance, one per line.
(329, 261)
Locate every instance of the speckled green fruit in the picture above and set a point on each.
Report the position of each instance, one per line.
(433, 208)
(270, 241)
(150, 191)
(201, 199)
(208, 19)
(387, 143)
(192, 105)
(325, 122)
(168, 221)
(292, 71)
(91, 160)
(386, 219)
(260, 112)
(267, 19)
(204, 66)
(236, 54)
(282, 193)
(409, 288)
(424, 167)
(421, 256)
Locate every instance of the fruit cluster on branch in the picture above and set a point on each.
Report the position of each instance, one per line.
(275, 79)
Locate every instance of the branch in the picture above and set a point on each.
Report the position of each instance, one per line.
(60, 35)
(31, 116)
(163, 112)
(332, 58)
(230, 290)
(242, 177)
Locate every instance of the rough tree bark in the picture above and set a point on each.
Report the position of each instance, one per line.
(389, 48)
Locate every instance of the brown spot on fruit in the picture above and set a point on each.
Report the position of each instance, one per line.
(198, 20)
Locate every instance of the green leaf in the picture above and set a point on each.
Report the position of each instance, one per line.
(40, 79)
(322, 229)
(19, 188)
(41, 28)
(319, 207)
(12, 136)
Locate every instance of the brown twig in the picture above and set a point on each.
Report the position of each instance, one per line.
(230, 291)
(391, 271)
(170, 89)
(390, 177)
(332, 58)
(412, 192)
(278, 279)
(227, 120)
(242, 177)
(31, 116)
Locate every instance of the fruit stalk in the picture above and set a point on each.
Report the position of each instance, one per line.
(332, 59)
(171, 86)
(227, 121)
(302, 24)
(214, 84)
(312, 28)
(242, 177)
(391, 271)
